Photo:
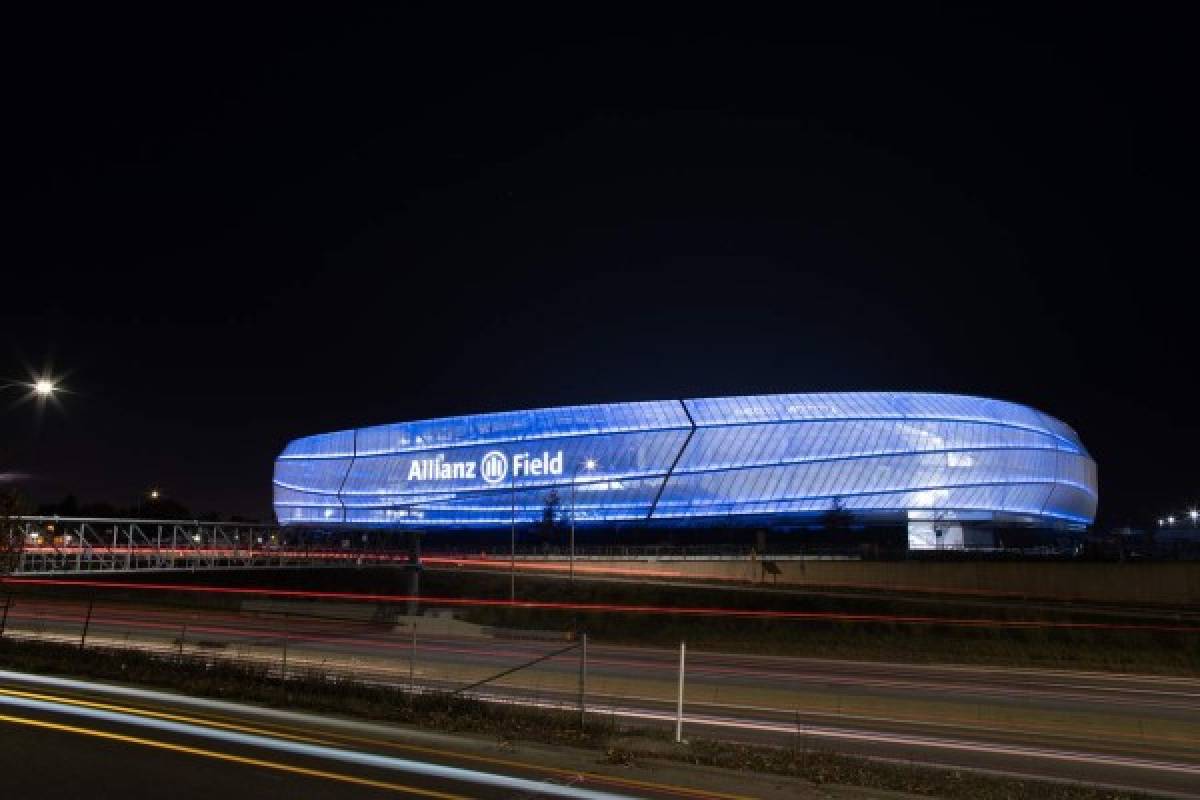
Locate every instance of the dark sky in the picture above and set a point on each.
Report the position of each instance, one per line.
(233, 230)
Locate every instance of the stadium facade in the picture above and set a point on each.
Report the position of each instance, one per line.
(937, 463)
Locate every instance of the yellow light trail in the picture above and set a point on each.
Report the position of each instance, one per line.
(284, 731)
(74, 701)
(254, 762)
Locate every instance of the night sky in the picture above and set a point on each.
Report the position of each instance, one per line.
(229, 231)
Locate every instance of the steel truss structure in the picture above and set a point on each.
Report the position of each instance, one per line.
(56, 545)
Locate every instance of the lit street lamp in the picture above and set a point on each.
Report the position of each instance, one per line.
(152, 494)
(588, 464)
(42, 388)
(1193, 514)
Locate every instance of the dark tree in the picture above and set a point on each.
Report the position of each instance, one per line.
(67, 507)
(551, 515)
(12, 536)
(836, 521)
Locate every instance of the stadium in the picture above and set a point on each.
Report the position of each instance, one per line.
(941, 465)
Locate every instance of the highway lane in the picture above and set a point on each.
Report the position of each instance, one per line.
(65, 737)
(388, 646)
(1121, 730)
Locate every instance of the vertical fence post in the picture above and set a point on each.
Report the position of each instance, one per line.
(679, 699)
(86, 623)
(4, 619)
(583, 682)
(412, 660)
(283, 666)
(182, 638)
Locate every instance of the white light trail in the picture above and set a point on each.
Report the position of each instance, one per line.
(405, 765)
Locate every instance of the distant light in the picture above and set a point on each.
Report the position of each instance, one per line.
(1162, 522)
(154, 494)
(1170, 520)
(1193, 514)
(43, 387)
(196, 538)
(591, 464)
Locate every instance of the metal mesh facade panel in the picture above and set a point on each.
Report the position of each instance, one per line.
(669, 461)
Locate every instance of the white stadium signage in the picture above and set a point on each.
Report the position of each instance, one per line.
(493, 467)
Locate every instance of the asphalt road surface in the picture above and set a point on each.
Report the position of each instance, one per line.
(65, 738)
(1128, 731)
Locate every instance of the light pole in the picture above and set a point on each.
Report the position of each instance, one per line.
(588, 464)
(152, 494)
(512, 563)
(41, 388)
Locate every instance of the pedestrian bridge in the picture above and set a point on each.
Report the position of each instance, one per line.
(55, 545)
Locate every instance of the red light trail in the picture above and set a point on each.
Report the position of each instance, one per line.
(605, 608)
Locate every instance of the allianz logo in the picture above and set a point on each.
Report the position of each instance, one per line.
(493, 467)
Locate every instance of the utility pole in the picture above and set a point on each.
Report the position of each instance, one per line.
(589, 464)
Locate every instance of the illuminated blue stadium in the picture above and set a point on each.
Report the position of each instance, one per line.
(921, 458)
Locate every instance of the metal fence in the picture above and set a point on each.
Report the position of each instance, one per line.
(371, 644)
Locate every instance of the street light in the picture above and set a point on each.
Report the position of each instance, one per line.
(42, 388)
(1193, 514)
(152, 494)
(1170, 522)
(588, 464)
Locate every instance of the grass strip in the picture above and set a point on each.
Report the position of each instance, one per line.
(455, 714)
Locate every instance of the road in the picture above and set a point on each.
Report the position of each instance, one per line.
(66, 738)
(1140, 732)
